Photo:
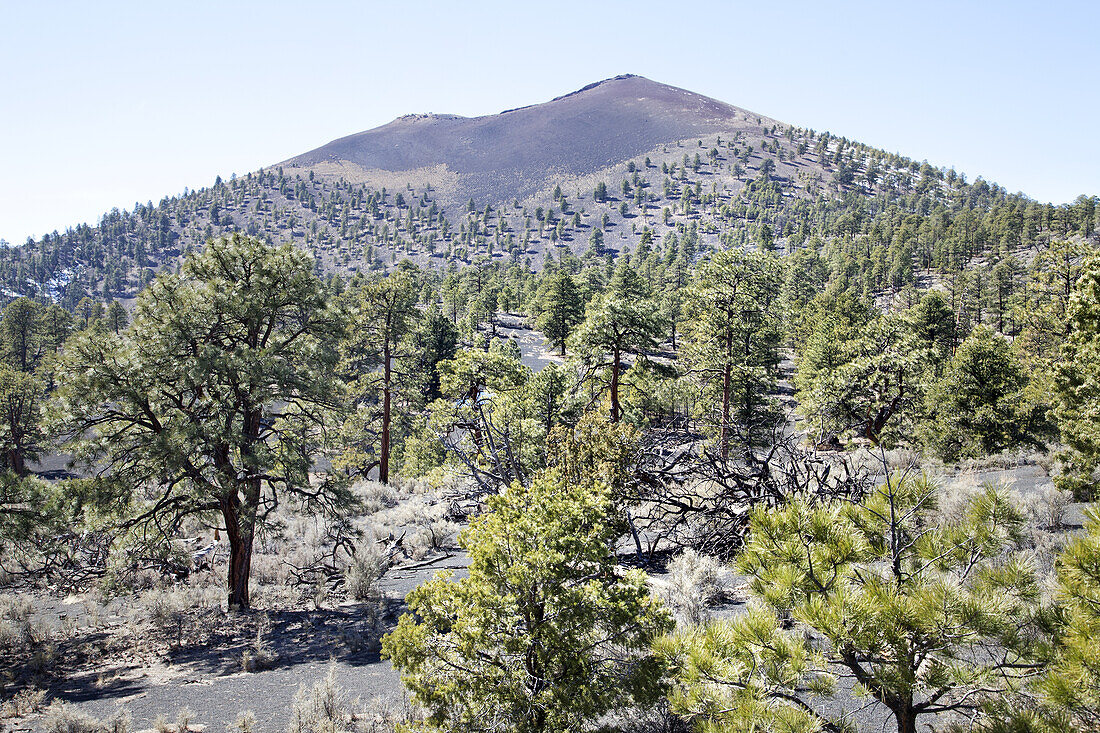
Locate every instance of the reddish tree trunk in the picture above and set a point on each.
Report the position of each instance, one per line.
(16, 462)
(239, 532)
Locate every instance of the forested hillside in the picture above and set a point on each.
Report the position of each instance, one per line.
(758, 348)
(894, 221)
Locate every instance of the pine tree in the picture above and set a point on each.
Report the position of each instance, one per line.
(374, 356)
(216, 399)
(623, 320)
(561, 309)
(926, 614)
(732, 338)
(979, 406)
(1070, 685)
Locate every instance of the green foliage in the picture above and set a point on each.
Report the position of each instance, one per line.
(1071, 683)
(622, 320)
(868, 382)
(1077, 386)
(377, 358)
(561, 308)
(493, 415)
(731, 343)
(32, 511)
(978, 407)
(933, 324)
(928, 614)
(21, 432)
(742, 675)
(545, 634)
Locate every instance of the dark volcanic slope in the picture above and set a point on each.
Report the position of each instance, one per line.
(511, 154)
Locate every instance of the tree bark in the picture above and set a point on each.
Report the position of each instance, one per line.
(387, 377)
(906, 719)
(615, 411)
(726, 377)
(239, 533)
(16, 462)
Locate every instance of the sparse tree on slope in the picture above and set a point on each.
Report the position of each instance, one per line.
(622, 320)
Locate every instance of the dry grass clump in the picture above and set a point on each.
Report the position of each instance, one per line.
(363, 571)
(1006, 460)
(16, 628)
(421, 521)
(176, 611)
(185, 722)
(376, 496)
(259, 655)
(1044, 508)
(61, 718)
(23, 703)
(695, 583)
(245, 723)
(23, 640)
(386, 716)
(324, 708)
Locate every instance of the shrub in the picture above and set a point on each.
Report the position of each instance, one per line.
(363, 570)
(695, 583)
(321, 709)
(245, 723)
(61, 718)
(23, 703)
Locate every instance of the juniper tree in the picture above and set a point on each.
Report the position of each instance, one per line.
(545, 633)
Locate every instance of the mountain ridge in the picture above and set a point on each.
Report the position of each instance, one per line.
(510, 154)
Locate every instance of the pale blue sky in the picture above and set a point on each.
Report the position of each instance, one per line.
(108, 103)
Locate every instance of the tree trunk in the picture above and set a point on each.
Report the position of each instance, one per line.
(16, 462)
(726, 377)
(615, 386)
(906, 718)
(239, 530)
(387, 376)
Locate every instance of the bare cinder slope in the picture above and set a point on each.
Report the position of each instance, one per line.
(516, 153)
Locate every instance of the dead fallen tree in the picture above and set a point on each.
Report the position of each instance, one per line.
(685, 495)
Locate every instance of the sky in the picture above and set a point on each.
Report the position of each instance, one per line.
(110, 103)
